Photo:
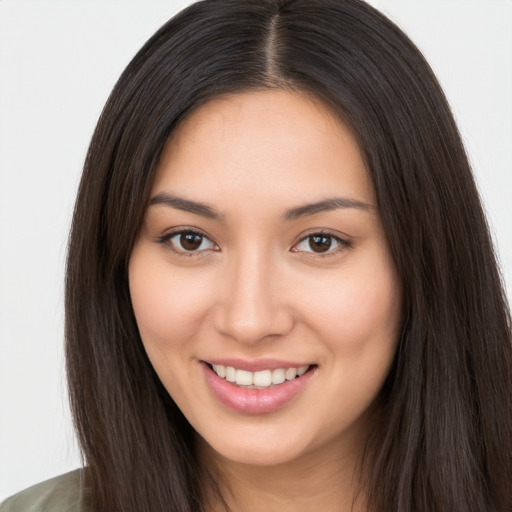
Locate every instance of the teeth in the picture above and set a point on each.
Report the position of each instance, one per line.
(302, 370)
(219, 370)
(278, 376)
(291, 373)
(263, 378)
(258, 380)
(243, 378)
(230, 374)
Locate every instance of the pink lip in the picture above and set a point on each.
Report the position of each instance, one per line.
(255, 401)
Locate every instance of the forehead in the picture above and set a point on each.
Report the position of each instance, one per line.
(271, 140)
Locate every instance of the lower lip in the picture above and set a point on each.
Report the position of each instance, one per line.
(255, 401)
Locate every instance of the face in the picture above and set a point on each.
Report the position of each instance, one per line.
(262, 283)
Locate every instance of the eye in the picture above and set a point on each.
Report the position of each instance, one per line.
(321, 243)
(188, 242)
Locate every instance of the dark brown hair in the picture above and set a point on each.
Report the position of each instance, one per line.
(443, 441)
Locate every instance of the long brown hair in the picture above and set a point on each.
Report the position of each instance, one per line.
(443, 441)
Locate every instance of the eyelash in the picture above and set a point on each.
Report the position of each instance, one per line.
(166, 240)
(343, 244)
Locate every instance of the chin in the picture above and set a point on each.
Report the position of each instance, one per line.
(257, 457)
(260, 450)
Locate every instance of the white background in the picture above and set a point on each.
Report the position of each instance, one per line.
(58, 63)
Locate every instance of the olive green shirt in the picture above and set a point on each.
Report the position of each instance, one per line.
(60, 494)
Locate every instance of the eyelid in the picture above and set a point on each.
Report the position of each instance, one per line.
(342, 240)
(165, 240)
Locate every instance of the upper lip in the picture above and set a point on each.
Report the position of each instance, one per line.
(256, 365)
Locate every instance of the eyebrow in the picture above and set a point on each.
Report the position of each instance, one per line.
(186, 205)
(202, 209)
(326, 205)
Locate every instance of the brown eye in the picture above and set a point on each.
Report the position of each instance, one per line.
(320, 243)
(190, 241)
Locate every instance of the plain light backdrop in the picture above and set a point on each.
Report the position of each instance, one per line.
(58, 62)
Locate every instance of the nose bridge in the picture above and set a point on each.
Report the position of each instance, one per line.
(253, 306)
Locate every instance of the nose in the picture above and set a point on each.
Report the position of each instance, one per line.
(253, 304)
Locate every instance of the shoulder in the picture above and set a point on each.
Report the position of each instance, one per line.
(60, 494)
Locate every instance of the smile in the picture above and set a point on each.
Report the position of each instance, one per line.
(264, 379)
(257, 392)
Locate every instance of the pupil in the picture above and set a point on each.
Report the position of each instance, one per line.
(320, 243)
(190, 241)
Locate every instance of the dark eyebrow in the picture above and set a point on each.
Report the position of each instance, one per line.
(326, 205)
(186, 205)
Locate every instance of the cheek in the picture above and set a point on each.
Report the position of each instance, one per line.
(359, 324)
(168, 304)
(169, 309)
(359, 311)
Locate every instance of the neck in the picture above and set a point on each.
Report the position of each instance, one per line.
(324, 480)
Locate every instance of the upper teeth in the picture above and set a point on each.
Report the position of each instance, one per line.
(262, 379)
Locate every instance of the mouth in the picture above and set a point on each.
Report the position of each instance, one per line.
(263, 379)
(256, 392)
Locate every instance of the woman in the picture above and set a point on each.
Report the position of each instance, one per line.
(279, 262)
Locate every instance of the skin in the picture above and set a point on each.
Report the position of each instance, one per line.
(256, 288)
